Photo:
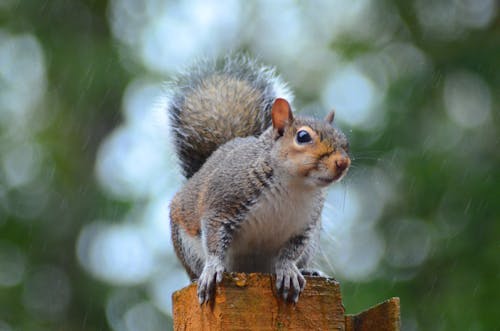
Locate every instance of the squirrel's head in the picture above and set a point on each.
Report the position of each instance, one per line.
(310, 149)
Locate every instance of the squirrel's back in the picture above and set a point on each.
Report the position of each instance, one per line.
(215, 102)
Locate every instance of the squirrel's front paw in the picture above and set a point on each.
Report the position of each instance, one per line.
(289, 280)
(210, 276)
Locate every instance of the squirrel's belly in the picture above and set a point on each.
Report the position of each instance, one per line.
(269, 225)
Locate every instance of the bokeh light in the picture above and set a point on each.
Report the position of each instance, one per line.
(354, 95)
(132, 160)
(47, 292)
(167, 35)
(115, 253)
(12, 264)
(23, 78)
(410, 243)
(450, 19)
(467, 99)
(88, 169)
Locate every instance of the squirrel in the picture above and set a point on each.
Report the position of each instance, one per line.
(256, 175)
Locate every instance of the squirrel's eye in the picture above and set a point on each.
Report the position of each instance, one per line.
(303, 137)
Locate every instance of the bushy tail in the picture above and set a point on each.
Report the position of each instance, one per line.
(217, 101)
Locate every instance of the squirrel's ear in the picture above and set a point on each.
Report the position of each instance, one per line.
(281, 114)
(329, 118)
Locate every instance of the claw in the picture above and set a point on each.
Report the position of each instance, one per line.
(210, 276)
(289, 280)
(218, 278)
(279, 280)
(302, 283)
(297, 288)
(201, 297)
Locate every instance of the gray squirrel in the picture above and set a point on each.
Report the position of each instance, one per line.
(256, 175)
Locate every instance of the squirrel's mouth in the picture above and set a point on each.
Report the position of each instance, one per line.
(326, 180)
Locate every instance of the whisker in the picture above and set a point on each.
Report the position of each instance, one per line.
(371, 152)
(325, 258)
(365, 158)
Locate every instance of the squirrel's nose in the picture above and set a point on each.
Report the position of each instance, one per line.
(342, 164)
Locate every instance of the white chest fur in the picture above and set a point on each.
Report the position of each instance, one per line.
(279, 214)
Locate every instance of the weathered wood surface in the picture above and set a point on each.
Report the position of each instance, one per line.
(384, 316)
(250, 302)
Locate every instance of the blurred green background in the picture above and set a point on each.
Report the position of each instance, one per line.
(87, 170)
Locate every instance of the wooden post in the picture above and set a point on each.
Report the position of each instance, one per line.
(384, 316)
(249, 302)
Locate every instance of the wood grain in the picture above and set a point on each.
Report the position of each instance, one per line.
(250, 302)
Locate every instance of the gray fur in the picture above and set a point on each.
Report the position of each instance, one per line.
(221, 100)
(259, 220)
(245, 206)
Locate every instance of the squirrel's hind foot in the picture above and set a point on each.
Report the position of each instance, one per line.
(313, 273)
